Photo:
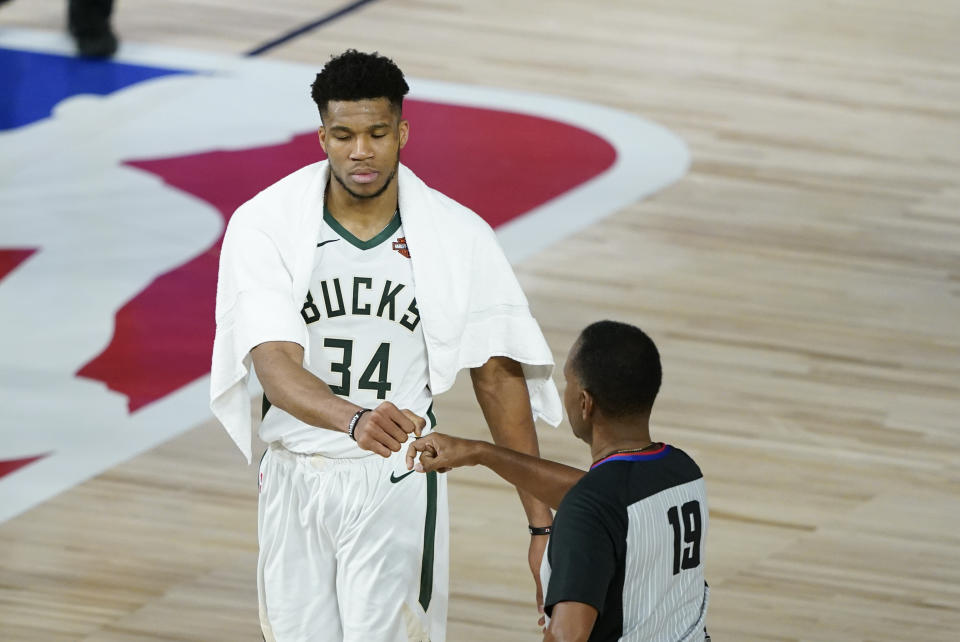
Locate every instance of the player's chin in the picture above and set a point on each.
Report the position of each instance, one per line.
(368, 190)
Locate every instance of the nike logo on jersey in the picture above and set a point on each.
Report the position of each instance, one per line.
(394, 479)
(322, 243)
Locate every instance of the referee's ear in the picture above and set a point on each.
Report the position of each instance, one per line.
(587, 406)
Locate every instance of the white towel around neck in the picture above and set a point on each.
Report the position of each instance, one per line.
(471, 305)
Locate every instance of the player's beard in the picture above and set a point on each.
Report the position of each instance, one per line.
(380, 191)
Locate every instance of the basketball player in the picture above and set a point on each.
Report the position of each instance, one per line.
(626, 553)
(358, 292)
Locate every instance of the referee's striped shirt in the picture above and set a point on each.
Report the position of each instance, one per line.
(629, 539)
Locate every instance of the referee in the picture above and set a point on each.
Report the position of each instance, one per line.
(627, 547)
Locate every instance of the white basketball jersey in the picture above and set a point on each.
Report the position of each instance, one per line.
(366, 341)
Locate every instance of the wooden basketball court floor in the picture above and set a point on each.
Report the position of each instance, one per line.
(802, 282)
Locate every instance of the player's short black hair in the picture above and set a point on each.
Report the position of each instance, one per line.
(354, 75)
(619, 365)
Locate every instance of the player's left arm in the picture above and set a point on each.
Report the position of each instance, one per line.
(570, 622)
(501, 391)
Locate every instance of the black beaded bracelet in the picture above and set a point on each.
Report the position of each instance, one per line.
(354, 421)
(540, 530)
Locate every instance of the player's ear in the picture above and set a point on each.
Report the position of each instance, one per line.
(404, 132)
(322, 135)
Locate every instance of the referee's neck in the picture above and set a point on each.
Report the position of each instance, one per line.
(620, 433)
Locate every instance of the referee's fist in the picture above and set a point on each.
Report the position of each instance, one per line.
(442, 452)
(384, 429)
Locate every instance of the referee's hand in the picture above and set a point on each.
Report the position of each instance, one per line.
(384, 429)
(441, 453)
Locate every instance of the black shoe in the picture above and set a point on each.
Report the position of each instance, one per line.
(96, 44)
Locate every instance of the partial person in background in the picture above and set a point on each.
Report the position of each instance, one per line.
(89, 24)
(627, 547)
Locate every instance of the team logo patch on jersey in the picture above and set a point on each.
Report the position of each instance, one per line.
(400, 245)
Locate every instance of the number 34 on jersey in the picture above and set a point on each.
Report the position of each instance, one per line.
(377, 302)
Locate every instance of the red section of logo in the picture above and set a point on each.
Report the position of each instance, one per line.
(499, 164)
(10, 465)
(11, 258)
(400, 245)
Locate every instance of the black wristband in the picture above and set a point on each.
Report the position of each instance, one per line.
(354, 421)
(540, 530)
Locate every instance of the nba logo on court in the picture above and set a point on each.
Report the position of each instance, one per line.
(118, 184)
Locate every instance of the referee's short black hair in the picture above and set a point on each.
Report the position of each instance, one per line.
(354, 75)
(619, 365)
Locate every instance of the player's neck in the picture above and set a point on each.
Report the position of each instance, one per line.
(610, 436)
(362, 217)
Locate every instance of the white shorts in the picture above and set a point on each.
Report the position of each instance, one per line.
(351, 550)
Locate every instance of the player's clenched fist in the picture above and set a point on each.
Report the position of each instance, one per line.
(442, 452)
(385, 428)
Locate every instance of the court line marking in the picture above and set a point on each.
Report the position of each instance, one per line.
(310, 26)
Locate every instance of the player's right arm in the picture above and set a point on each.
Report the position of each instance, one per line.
(546, 480)
(292, 388)
(570, 622)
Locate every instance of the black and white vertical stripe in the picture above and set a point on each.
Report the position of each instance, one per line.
(629, 539)
(649, 571)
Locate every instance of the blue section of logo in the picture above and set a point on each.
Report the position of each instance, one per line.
(33, 83)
